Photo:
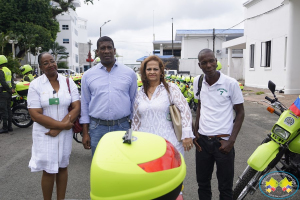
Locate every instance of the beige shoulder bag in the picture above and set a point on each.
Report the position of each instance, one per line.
(176, 119)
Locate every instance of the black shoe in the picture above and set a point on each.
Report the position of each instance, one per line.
(3, 131)
(10, 129)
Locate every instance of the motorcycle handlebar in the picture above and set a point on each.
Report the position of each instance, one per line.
(277, 113)
(269, 99)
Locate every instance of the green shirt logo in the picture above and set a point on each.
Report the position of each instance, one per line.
(221, 90)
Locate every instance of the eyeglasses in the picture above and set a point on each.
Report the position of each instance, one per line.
(211, 61)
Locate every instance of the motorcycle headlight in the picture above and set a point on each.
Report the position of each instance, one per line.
(280, 132)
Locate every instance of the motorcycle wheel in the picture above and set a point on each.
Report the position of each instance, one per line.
(243, 187)
(21, 117)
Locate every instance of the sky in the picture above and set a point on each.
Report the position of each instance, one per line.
(134, 22)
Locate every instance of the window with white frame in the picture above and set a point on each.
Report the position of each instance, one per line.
(76, 44)
(66, 41)
(252, 47)
(265, 54)
(65, 27)
(76, 58)
(76, 32)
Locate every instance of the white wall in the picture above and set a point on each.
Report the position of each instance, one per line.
(83, 55)
(190, 46)
(272, 27)
(192, 66)
(82, 30)
(70, 19)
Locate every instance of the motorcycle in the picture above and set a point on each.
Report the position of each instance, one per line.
(183, 86)
(20, 113)
(279, 151)
(193, 103)
(77, 81)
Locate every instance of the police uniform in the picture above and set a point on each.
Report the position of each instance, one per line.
(6, 84)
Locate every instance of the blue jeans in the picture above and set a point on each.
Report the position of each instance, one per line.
(97, 131)
(205, 160)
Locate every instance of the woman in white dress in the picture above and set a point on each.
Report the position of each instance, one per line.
(151, 107)
(48, 101)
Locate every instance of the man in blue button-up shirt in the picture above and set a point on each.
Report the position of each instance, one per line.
(107, 95)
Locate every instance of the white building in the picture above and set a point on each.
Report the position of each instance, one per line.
(72, 35)
(272, 44)
(192, 41)
(164, 48)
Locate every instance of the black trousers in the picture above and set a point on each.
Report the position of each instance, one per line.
(5, 111)
(205, 161)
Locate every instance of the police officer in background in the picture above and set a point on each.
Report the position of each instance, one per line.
(26, 70)
(6, 90)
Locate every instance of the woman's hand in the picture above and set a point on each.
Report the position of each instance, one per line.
(68, 124)
(187, 144)
(53, 132)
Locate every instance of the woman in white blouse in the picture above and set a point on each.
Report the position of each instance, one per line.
(151, 108)
(48, 101)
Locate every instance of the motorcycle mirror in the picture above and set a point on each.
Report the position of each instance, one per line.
(271, 86)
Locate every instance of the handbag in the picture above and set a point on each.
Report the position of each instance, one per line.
(176, 119)
(77, 128)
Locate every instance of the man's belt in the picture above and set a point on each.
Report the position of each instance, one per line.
(214, 136)
(110, 122)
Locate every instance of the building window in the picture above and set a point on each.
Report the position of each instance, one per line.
(65, 27)
(76, 44)
(265, 54)
(252, 47)
(66, 41)
(76, 32)
(76, 58)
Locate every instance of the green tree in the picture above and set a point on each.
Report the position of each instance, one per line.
(13, 64)
(3, 41)
(62, 65)
(59, 50)
(32, 17)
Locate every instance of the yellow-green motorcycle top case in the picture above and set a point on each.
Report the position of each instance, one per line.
(148, 168)
(22, 88)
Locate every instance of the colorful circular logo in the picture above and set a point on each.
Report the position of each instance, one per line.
(279, 185)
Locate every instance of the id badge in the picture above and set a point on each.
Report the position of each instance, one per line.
(53, 101)
(169, 116)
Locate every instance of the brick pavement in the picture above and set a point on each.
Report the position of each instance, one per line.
(252, 94)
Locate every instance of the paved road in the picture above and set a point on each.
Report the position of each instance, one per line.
(17, 182)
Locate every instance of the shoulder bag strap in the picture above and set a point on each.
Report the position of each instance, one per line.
(70, 107)
(169, 95)
(68, 85)
(200, 84)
